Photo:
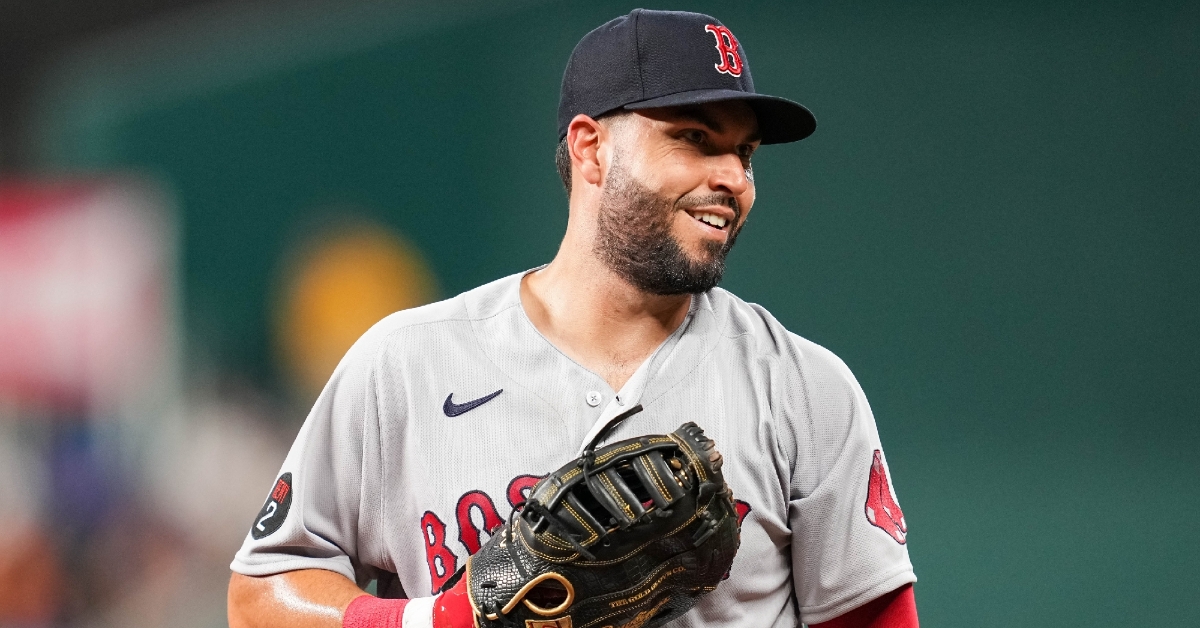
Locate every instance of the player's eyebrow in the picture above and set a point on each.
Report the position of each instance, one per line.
(700, 116)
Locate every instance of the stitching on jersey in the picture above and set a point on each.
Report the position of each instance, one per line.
(383, 513)
(497, 312)
(791, 354)
(517, 304)
(385, 343)
(883, 585)
(483, 348)
(704, 353)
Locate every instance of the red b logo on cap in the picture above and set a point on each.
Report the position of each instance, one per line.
(727, 46)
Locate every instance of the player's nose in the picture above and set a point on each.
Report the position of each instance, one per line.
(728, 174)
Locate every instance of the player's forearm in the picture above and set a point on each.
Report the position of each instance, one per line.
(307, 598)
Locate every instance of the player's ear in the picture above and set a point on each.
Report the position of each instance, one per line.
(584, 137)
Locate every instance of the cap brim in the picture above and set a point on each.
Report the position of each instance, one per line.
(779, 119)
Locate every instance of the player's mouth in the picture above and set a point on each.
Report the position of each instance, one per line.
(714, 218)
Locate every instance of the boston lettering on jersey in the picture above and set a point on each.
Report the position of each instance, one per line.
(443, 562)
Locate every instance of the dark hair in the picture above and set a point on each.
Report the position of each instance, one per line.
(562, 156)
(562, 161)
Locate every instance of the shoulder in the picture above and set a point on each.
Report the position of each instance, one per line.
(818, 405)
(444, 323)
(752, 327)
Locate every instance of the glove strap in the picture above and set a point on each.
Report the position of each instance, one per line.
(612, 425)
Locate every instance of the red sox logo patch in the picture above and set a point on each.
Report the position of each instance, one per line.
(727, 47)
(882, 510)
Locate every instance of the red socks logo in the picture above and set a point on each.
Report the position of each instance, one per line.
(882, 510)
(727, 46)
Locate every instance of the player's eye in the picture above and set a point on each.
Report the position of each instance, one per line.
(745, 151)
(695, 136)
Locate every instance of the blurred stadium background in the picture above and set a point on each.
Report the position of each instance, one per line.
(203, 203)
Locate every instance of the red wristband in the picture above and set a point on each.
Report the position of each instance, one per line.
(451, 609)
(368, 611)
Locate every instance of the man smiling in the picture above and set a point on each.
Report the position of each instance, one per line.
(391, 481)
(635, 231)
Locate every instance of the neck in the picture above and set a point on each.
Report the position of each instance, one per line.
(595, 316)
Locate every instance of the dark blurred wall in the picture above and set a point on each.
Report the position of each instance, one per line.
(995, 225)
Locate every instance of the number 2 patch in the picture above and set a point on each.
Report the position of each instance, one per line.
(275, 510)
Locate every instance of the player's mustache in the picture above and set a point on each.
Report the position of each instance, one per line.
(708, 200)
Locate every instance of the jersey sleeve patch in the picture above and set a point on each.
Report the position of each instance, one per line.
(273, 513)
(881, 508)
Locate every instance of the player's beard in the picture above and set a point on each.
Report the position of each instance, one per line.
(634, 238)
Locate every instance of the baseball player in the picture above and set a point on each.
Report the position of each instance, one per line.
(440, 419)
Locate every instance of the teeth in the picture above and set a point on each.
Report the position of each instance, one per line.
(711, 219)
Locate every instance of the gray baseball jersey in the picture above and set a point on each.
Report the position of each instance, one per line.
(441, 418)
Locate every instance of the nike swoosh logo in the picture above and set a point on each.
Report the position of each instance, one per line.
(455, 409)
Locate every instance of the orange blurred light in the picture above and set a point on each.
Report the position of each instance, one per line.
(339, 285)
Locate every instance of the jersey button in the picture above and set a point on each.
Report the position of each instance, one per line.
(593, 398)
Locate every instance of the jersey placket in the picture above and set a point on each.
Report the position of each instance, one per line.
(631, 393)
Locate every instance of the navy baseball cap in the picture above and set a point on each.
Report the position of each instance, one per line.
(667, 58)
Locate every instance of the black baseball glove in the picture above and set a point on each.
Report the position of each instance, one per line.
(628, 535)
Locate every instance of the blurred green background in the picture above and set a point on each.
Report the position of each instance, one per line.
(995, 226)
